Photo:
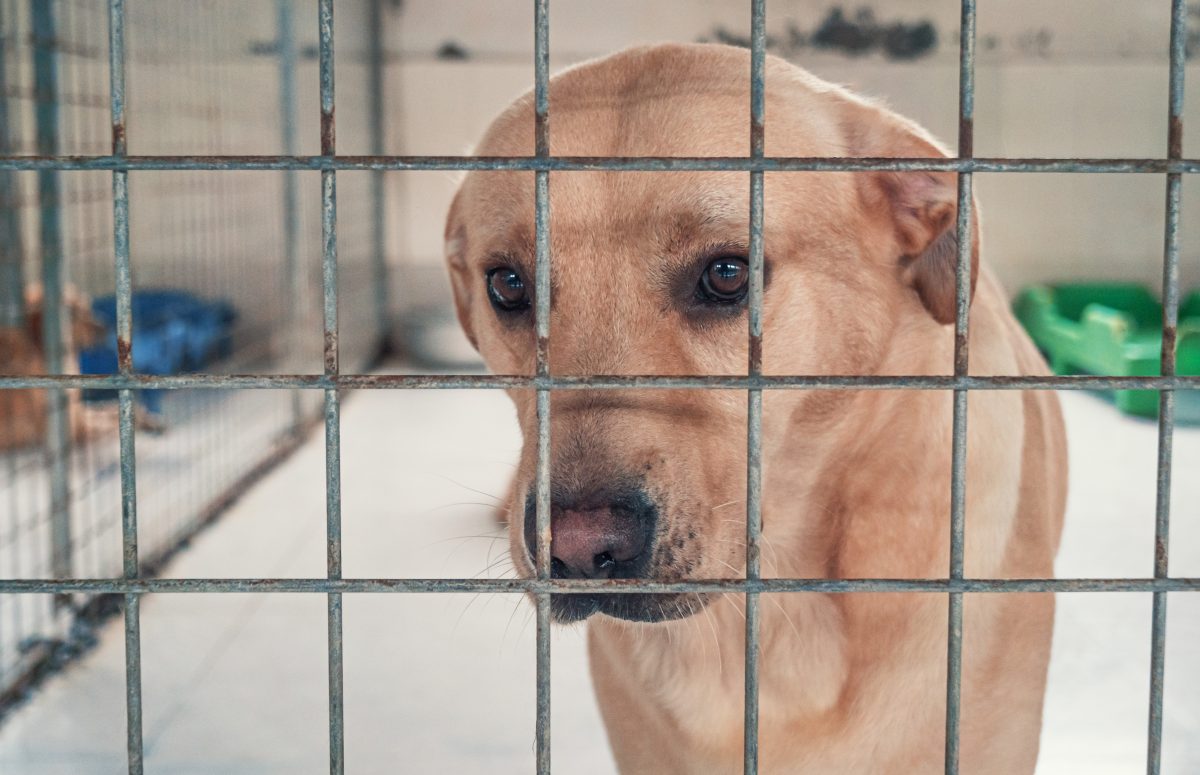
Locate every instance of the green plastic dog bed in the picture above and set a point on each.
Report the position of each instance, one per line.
(1110, 329)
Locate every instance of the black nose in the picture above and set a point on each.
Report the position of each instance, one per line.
(599, 536)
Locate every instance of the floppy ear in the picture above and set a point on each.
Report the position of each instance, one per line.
(921, 206)
(34, 312)
(85, 329)
(456, 260)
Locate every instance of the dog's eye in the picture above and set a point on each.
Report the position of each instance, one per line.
(724, 281)
(507, 290)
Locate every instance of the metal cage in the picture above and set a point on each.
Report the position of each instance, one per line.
(133, 584)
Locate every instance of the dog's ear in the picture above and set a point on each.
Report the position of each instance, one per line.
(456, 260)
(85, 329)
(922, 206)
(34, 312)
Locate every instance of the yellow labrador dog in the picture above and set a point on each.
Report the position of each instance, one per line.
(650, 277)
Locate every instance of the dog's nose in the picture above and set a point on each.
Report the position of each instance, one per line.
(593, 544)
(608, 541)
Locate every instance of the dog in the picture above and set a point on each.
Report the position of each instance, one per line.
(23, 413)
(649, 276)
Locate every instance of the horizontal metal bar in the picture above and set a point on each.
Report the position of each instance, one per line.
(588, 586)
(639, 382)
(598, 163)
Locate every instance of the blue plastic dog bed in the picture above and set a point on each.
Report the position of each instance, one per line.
(173, 332)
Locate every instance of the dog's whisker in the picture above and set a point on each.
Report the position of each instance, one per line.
(467, 487)
(441, 541)
(708, 617)
(778, 605)
(528, 618)
(463, 613)
(737, 572)
(497, 563)
(516, 607)
(733, 601)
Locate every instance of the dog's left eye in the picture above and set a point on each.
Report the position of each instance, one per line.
(506, 289)
(725, 281)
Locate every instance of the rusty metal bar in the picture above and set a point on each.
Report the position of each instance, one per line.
(541, 69)
(333, 480)
(54, 330)
(602, 164)
(962, 300)
(598, 382)
(293, 281)
(1166, 404)
(140, 586)
(128, 458)
(12, 253)
(377, 94)
(754, 397)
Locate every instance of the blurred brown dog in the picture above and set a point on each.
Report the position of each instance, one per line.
(23, 412)
(649, 277)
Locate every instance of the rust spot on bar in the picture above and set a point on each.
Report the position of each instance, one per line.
(541, 135)
(1175, 138)
(961, 351)
(328, 133)
(543, 353)
(1169, 337)
(331, 352)
(124, 354)
(966, 137)
(756, 354)
(757, 134)
(118, 138)
(333, 552)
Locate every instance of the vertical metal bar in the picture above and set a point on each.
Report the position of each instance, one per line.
(541, 66)
(958, 470)
(375, 75)
(124, 293)
(293, 287)
(1166, 400)
(54, 332)
(12, 254)
(754, 396)
(333, 480)
(334, 563)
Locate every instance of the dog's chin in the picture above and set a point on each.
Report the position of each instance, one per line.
(631, 607)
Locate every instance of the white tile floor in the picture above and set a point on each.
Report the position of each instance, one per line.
(236, 683)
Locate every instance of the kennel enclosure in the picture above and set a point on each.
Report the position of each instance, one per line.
(337, 371)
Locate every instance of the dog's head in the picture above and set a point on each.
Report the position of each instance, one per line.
(83, 329)
(649, 276)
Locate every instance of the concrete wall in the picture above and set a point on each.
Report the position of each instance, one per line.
(1074, 78)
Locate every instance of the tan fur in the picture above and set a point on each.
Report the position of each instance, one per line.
(23, 413)
(856, 483)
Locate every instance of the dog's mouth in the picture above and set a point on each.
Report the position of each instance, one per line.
(630, 606)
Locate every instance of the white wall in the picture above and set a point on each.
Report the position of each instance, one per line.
(1075, 78)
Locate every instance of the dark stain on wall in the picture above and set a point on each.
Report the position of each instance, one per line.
(452, 50)
(863, 34)
(856, 34)
(1192, 44)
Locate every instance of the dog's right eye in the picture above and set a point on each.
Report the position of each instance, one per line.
(725, 281)
(507, 289)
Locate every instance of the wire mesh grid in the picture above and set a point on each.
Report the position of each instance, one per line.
(198, 78)
(331, 381)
